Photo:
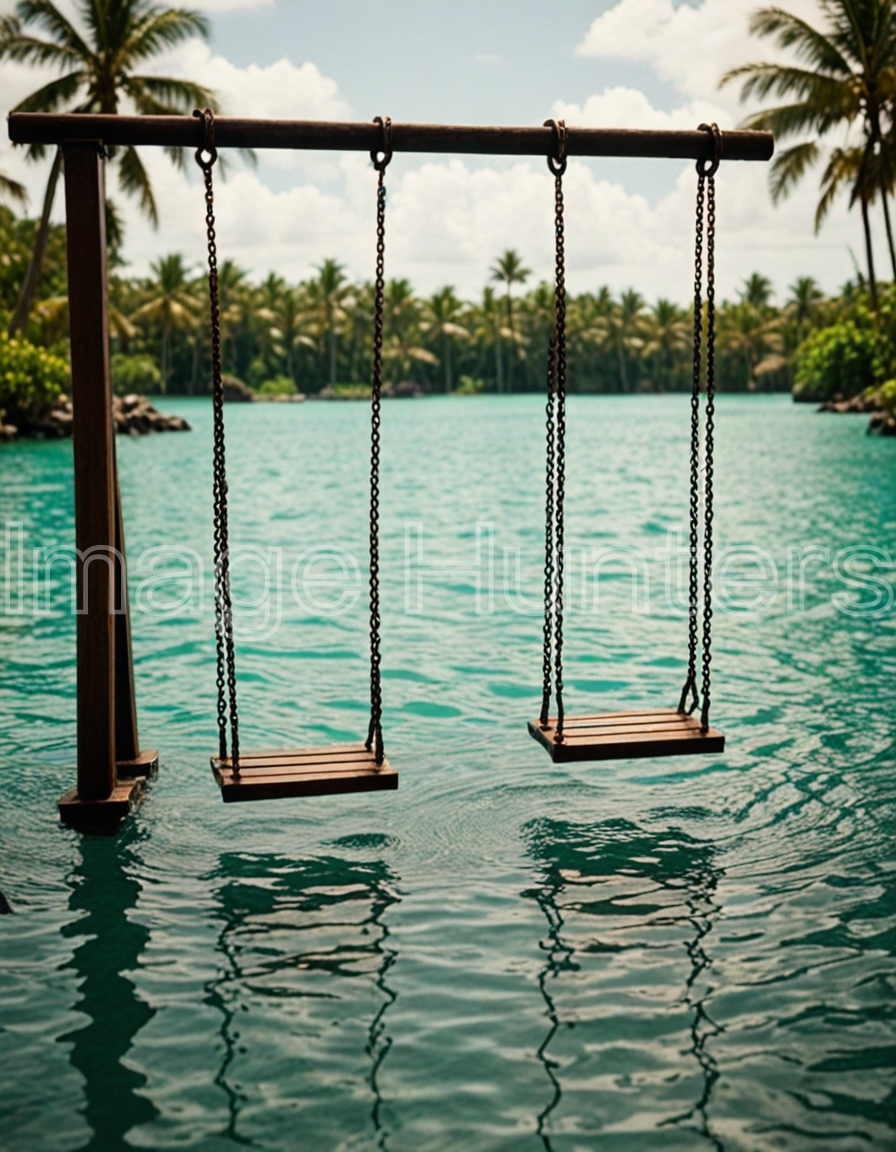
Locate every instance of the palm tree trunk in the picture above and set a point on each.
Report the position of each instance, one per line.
(883, 196)
(166, 344)
(194, 371)
(332, 336)
(872, 283)
(32, 276)
(498, 362)
(512, 347)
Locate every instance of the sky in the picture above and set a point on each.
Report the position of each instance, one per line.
(601, 63)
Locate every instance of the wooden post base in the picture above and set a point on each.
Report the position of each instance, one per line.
(142, 767)
(100, 814)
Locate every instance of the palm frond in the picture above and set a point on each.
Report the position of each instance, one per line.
(168, 96)
(787, 80)
(809, 44)
(790, 165)
(134, 180)
(31, 50)
(163, 28)
(53, 95)
(843, 165)
(47, 16)
(13, 189)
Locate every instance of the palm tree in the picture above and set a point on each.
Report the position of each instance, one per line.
(757, 290)
(538, 319)
(97, 67)
(443, 310)
(401, 315)
(509, 270)
(849, 73)
(329, 292)
(621, 328)
(489, 329)
(12, 189)
(752, 334)
(667, 337)
(289, 330)
(805, 297)
(170, 305)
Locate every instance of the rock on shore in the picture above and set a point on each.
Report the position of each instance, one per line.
(882, 422)
(132, 415)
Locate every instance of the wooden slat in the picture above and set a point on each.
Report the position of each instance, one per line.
(296, 768)
(644, 714)
(655, 724)
(292, 754)
(623, 735)
(277, 775)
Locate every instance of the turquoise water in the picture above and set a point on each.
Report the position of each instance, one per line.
(504, 954)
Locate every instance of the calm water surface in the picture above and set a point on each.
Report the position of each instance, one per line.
(505, 954)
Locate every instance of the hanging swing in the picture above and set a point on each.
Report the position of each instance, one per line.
(275, 775)
(656, 731)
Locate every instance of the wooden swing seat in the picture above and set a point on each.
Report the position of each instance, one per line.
(303, 772)
(623, 735)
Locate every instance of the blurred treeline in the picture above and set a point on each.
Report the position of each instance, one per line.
(280, 337)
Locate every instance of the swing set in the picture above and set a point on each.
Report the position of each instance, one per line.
(111, 766)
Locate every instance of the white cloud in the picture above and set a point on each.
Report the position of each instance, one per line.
(231, 5)
(447, 221)
(631, 108)
(688, 46)
(281, 90)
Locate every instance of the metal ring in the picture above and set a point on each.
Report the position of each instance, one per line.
(385, 123)
(208, 137)
(702, 168)
(557, 163)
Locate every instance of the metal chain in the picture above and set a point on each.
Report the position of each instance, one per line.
(706, 195)
(690, 684)
(557, 166)
(380, 162)
(709, 449)
(206, 156)
(560, 499)
(547, 657)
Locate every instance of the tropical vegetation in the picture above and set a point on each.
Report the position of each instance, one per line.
(98, 55)
(838, 98)
(317, 335)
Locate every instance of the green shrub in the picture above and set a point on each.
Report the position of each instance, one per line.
(839, 359)
(346, 392)
(469, 386)
(279, 386)
(31, 380)
(135, 374)
(884, 397)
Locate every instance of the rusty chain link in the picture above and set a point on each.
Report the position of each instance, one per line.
(555, 484)
(206, 155)
(706, 208)
(380, 160)
(709, 446)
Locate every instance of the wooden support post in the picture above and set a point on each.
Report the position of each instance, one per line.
(99, 798)
(130, 760)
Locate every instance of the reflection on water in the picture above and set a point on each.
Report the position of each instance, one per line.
(293, 1012)
(295, 934)
(610, 891)
(104, 889)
